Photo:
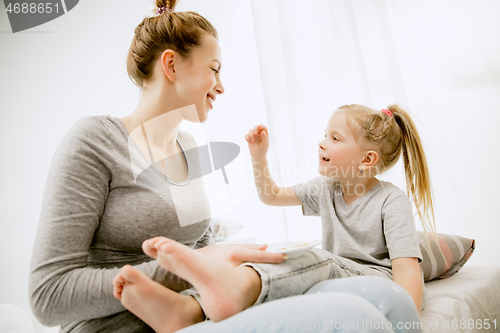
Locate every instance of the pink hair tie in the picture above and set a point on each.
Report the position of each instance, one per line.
(161, 10)
(387, 112)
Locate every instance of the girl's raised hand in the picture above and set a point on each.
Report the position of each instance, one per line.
(258, 141)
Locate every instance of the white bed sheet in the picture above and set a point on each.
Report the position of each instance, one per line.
(464, 303)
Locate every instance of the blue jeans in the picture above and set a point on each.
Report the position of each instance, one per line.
(352, 304)
(296, 276)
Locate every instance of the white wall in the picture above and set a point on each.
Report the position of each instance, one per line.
(437, 59)
(74, 66)
(449, 53)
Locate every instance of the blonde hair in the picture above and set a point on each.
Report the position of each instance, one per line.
(178, 31)
(391, 136)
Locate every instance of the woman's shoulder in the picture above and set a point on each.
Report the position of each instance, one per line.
(84, 148)
(94, 134)
(100, 128)
(88, 126)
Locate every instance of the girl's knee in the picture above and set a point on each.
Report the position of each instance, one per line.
(355, 284)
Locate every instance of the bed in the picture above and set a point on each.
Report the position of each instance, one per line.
(466, 302)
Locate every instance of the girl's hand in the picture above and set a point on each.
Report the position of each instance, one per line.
(258, 141)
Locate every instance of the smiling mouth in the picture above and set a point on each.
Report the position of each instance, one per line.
(210, 99)
(321, 158)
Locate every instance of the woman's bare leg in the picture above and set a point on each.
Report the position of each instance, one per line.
(161, 308)
(224, 290)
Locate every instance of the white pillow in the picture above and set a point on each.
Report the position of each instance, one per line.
(13, 319)
(223, 229)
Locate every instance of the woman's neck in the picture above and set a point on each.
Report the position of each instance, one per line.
(160, 117)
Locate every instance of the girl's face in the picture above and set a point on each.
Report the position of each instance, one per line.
(339, 155)
(199, 78)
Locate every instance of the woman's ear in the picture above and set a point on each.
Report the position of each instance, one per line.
(168, 62)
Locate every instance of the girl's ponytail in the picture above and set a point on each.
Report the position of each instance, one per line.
(418, 182)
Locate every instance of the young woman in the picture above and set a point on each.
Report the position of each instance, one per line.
(115, 182)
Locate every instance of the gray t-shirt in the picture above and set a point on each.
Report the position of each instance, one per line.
(372, 230)
(102, 199)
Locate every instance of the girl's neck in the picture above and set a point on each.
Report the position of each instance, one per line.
(353, 189)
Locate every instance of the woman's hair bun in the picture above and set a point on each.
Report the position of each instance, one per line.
(168, 5)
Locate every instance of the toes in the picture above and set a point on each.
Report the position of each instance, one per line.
(149, 249)
(118, 289)
(118, 283)
(150, 246)
(130, 274)
(164, 245)
(156, 239)
(118, 280)
(167, 247)
(117, 294)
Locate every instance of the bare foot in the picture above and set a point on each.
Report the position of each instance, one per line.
(149, 248)
(224, 290)
(159, 307)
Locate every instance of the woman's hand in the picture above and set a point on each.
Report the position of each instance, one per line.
(258, 141)
(237, 254)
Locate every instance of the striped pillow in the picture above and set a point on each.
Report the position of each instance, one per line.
(457, 250)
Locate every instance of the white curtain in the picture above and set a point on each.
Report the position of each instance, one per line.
(437, 59)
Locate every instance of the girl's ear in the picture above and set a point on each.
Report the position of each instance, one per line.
(370, 159)
(168, 62)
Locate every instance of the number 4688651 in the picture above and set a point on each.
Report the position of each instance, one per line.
(32, 8)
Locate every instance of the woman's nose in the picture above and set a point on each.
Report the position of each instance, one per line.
(219, 87)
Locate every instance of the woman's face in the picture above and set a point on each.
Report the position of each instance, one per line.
(198, 78)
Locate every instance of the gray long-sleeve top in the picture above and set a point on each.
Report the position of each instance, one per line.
(102, 199)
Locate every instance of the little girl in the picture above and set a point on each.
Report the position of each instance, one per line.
(368, 225)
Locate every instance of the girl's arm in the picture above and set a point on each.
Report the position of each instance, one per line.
(401, 240)
(269, 192)
(406, 273)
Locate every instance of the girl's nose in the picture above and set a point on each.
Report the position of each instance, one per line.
(321, 146)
